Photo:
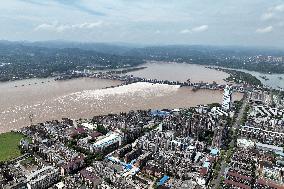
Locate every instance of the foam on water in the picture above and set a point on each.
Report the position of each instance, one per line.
(81, 103)
(88, 103)
(141, 89)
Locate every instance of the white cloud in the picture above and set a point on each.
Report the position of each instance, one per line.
(88, 25)
(273, 12)
(185, 31)
(200, 28)
(157, 31)
(267, 29)
(44, 27)
(55, 26)
(197, 29)
(125, 20)
(267, 16)
(279, 8)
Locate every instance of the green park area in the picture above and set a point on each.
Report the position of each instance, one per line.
(9, 143)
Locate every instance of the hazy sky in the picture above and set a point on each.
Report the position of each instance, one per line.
(217, 22)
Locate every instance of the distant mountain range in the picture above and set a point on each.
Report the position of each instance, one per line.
(165, 50)
(41, 59)
(19, 60)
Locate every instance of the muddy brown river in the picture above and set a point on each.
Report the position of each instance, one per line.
(180, 72)
(47, 99)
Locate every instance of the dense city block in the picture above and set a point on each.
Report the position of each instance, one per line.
(180, 148)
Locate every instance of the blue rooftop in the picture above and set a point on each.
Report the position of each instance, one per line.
(133, 161)
(206, 164)
(128, 166)
(214, 151)
(159, 113)
(163, 180)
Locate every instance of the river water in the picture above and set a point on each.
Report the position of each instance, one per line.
(275, 81)
(180, 72)
(47, 99)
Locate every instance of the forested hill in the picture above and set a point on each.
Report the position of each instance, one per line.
(267, 60)
(18, 61)
(253, 59)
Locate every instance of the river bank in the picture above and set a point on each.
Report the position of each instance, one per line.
(86, 97)
(88, 103)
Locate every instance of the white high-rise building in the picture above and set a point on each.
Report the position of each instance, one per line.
(227, 98)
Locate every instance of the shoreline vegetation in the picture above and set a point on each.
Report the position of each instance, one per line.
(239, 77)
(25, 61)
(124, 71)
(117, 72)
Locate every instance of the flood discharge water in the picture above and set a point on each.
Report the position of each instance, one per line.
(46, 99)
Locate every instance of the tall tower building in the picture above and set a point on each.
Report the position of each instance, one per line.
(227, 98)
